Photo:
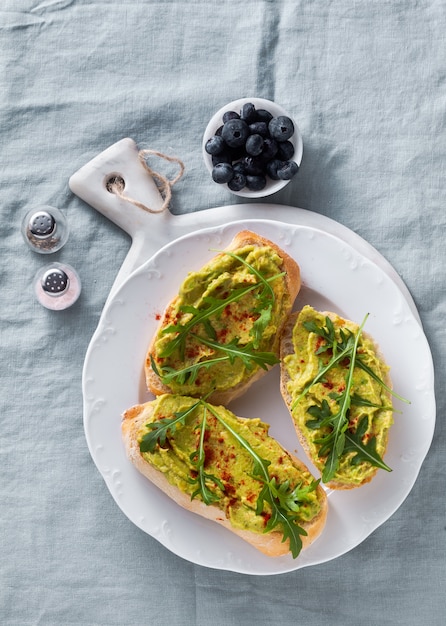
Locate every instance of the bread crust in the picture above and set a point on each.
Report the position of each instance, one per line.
(270, 543)
(292, 282)
(286, 348)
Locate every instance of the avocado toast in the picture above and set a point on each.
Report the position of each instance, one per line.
(226, 469)
(337, 387)
(222, 330)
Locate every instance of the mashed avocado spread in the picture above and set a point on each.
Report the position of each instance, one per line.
(225, 459)
(235, 305)
(369, 398)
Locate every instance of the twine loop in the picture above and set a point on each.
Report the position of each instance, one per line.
(117, 185)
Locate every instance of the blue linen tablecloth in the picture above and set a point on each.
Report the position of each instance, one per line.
(366, 83)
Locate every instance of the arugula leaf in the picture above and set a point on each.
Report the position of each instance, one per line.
(264, 313)
(363, 451)
(327, 333)
(233, 350)
(290, 529)
(340, 424)
(209, 329)
(246, 352)
(347, 442)
(321, 414)
(253, 270)
(160, 429)
(359, 401)
(289, 499)
(188, 374)
(198, 458)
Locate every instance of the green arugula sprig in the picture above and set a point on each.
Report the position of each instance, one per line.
(202, 480)
(322, 417)
(213, 307)
(338, 440)
(284, 502)
(246, 353)
(160, 429)
(341, 349)
(184, 375)
(357, 400)
(363, 451)
(334, 441)
(233, 350)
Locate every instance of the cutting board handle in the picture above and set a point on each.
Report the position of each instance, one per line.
(120, 160)
(148, 231)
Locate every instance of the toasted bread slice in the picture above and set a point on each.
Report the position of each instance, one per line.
(207, 357)
(228, 466)
(301, 358)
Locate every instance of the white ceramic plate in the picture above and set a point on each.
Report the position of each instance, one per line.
(334, 277)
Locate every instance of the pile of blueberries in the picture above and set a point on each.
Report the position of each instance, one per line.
(250, 147)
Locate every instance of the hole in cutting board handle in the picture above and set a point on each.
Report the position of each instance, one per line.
(114, 180)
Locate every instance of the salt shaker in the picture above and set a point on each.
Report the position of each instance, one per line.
(45, 229)
(57, 286)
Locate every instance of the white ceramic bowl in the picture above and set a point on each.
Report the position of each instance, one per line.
(272, 186)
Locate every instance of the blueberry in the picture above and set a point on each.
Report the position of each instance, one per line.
(288, 170)
(248, 113)
(285, 151)
(222, 173)
(270, 147)
(254, 145)
(230, 115)
(219, 131)
(259, 128)
(215, 145)
(256, 183)
(252, 165)
(237, 182)
(281, 128)
(235, 132)
(239, 168)
(262, 115)
(223, 157)
(272, 167)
